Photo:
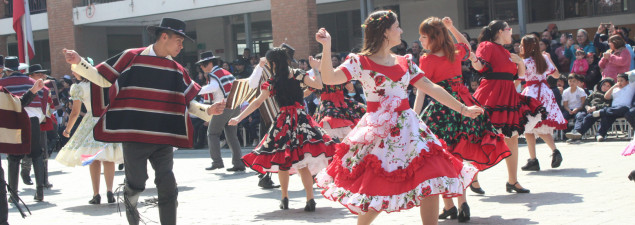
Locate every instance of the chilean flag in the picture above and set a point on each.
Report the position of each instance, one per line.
(21, 10)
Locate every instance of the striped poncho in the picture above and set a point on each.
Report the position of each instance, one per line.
(15, 126)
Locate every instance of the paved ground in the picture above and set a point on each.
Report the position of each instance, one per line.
(590, 188)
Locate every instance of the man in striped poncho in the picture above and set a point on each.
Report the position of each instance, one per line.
(147, 109)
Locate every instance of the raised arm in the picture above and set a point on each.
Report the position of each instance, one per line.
(316, 80)
(437, 92)
(457, 35)
(80, 66)
(330, 76)
(264, 94)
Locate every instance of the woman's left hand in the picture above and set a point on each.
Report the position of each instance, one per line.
(473, 111)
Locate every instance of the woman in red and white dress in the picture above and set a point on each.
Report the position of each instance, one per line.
(539, 66)
(509, 111)
(390, 161)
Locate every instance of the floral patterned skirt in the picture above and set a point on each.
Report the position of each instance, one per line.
(83, 143)
(390, 162)
(475, 139)
(509, 111)
(338, 112)
(554, 119)
(295, 141)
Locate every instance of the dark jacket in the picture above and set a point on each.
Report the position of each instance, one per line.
(597, 97)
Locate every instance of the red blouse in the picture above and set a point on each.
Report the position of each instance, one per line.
(439, 68)
(495, 58)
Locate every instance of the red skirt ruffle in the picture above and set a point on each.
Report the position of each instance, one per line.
(284, 160)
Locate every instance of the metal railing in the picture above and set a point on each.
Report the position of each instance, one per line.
(35, 7)
(88, 2)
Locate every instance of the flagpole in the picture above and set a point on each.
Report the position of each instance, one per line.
(26, 43)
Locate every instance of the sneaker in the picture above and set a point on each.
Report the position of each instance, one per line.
(573, 135)
(600, 138)
(532, 165)
(556, 159)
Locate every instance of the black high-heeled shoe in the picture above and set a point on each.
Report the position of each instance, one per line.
(512, 187)
(96, 200)
(284, 203)
(476, 190)
(464, 213)
(310, 206)
(450, 212)
(111, 197)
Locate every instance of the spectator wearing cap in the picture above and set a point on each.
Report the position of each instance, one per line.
(18, 84)
(243, 70)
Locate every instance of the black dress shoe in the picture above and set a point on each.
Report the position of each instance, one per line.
(120, 167)
(266, 182)
(96, 200)
(512, 187)
(48, 185)
(310, 206)
(111, 197)
(236, 169)
(476, 190)
(39, 194)
(213, 167)
(464, 213)
(450, 212)
(632, 176)
(532, 165)
(284, 203)
(26, 178)
(556, 159)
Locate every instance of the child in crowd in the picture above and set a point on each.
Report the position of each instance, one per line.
(573, 97)
(622, 95)
(580, 65)
(474, 85)
(584, 120)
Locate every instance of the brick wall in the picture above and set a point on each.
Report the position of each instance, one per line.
(295, 21)
(62, 34)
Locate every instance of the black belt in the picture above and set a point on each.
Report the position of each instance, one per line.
(499, 76)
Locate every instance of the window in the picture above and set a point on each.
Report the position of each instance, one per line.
(506, 10)
(345, 29)
(478, 13)
(261, 37)
(42, 53)
(610, 6)
(543, 10)
(577, 8)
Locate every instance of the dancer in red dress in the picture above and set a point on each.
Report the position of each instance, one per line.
(295, 143)
(474, 140)
(539, 66)
(509, 111)
(390, 161)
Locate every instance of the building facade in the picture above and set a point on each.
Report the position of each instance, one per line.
(102, 28)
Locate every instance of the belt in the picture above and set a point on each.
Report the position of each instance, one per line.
(499, 76)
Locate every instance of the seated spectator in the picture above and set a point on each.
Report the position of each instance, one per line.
(593, 74)
(573, 97)
(622, 95)
(584, 120)
(630, 115)
(617, 59)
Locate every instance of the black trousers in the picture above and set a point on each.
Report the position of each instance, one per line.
(4, 205)
(136, 157)
(36, 155)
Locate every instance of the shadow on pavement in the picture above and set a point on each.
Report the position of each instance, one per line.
(299, 194)
(568, 172)
(94, 210)
(33, 206)
(491, 220)
(533, 200)
(54, 173)
(296, 212)
(225, 175)
(28, 193)
(152, 191)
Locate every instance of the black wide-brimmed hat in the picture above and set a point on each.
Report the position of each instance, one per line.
(12, 63)
(206, 56)
(290, 51)
(174, 25)
(36, 68)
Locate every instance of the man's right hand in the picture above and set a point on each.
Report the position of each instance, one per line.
(71, 56)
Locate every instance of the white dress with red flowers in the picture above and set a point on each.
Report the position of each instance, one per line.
(390, 161)
(538, 88)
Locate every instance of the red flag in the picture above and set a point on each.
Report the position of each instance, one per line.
(20, 10)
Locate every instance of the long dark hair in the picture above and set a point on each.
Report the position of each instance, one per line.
(374, 28)
(287, 89)
(531, 48)
(439, 38)
(489, 32)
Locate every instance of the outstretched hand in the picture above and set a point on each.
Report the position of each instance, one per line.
(447, 22)
(216, 108)
(39, 84)
(71, 56)
(473, 111)
(233, 122)
(323, 37)
(315, 63)
(263, 62)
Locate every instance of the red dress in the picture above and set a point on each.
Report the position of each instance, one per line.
(508, 110)
(475, 139)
